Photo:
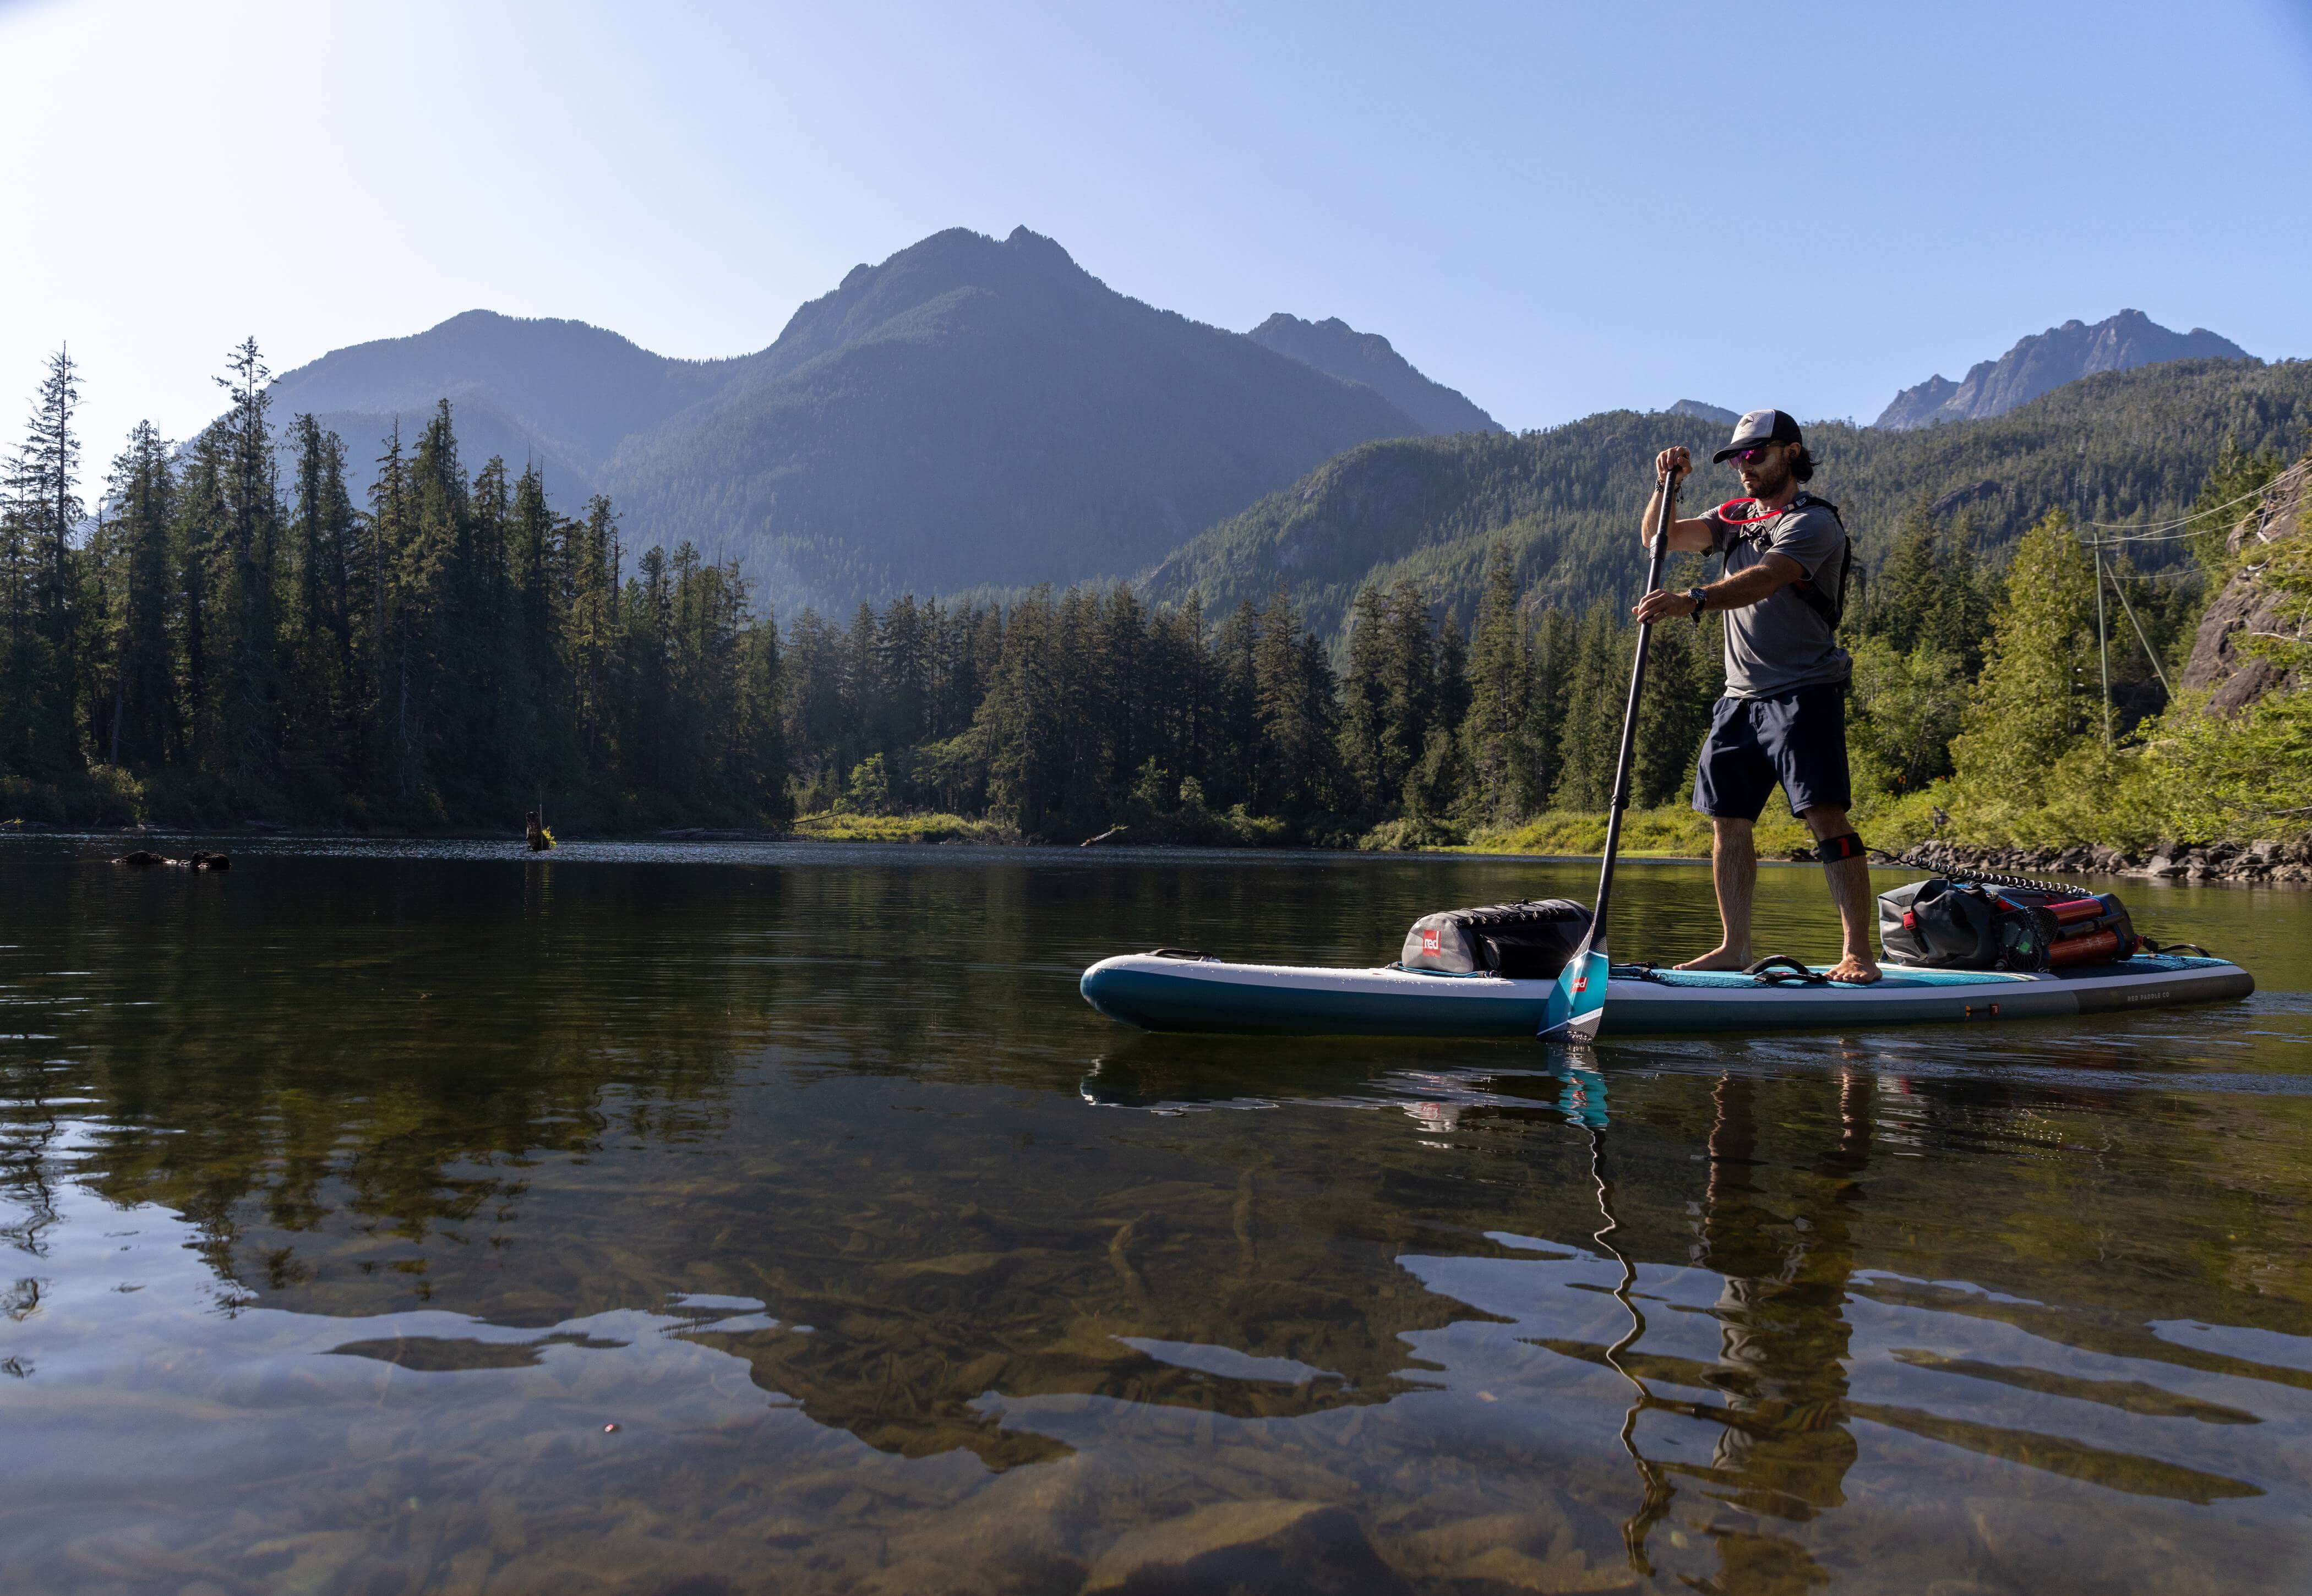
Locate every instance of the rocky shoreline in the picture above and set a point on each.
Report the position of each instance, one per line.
(2259, 863)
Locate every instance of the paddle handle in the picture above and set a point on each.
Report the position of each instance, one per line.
(1663, 514)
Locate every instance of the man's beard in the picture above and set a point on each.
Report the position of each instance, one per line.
(1770, 480)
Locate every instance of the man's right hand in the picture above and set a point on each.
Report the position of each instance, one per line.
(1671, 467)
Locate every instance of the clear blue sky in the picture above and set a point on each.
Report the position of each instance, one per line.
(1555, 209)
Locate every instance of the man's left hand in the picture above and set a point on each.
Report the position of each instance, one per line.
(1662, 605)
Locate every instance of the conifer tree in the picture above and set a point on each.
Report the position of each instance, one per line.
(20, 662)
(1908, 586)
(43, 508)
(1409, 673)
(1231, 772)
(761, 771)
(1958, 624)
(1121, 695)
(1450, 673)
(318, 624)
(593, 635)
(248, 547)
(1294, 690)
(1594, 701)
(1365, 697)
(2027, 708)
(1180, 686)
(200, 516)
(1021, 726)
(813, 693)
(1553, 652)
(645, 702)
(142, 494)
(535, 728)
(1497, 732)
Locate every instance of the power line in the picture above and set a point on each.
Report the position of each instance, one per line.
(2197, 515)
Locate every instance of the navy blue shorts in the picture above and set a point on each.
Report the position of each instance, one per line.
(1798, 739)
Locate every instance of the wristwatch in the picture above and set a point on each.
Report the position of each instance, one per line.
(1701, 602)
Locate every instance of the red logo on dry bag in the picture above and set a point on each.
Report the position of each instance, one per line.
(1580, 985)
(1429, 942)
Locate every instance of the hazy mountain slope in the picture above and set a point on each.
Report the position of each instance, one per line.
(1339, 350)
(1717, 415)
(974, 411)
(574, 390)
(2116, 447)
(2046, 361)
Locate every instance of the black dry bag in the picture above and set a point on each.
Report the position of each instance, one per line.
(1528, 941)
(1943, 925)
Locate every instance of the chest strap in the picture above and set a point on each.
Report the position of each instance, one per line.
(1831, 608)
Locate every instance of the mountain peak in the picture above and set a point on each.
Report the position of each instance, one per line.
(1717, 414)
(2048, 360)
(1339, 350)
(1034, 246)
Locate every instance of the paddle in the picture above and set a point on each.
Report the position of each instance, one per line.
(1576, 1003)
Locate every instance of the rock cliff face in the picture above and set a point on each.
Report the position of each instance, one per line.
(2049, 360)
(2218, 666)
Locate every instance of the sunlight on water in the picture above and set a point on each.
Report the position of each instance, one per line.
(704, 1218)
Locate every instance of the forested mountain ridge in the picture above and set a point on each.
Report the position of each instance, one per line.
(976, 411)
(2122, 446)
(1338, 349)
(2046, 361)
(971, 410)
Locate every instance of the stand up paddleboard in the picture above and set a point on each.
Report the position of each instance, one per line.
(1170, 992)
(1960, 947)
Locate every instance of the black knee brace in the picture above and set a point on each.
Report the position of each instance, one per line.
(1831, 850)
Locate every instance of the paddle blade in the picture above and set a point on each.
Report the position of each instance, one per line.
(1576, 1003)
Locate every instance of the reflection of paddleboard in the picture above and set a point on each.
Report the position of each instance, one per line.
(1171, 992)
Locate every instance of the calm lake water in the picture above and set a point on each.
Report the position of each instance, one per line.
(348, 1199)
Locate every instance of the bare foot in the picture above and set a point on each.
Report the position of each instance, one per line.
(1718, 958)
(1855, 968)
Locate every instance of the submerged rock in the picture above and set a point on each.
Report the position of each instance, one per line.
(1280, 1548)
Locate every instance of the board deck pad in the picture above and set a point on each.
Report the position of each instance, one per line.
(1170, 993)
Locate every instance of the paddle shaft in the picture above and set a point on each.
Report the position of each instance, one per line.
(1662, 516)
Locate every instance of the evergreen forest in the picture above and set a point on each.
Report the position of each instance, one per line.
(217, 632)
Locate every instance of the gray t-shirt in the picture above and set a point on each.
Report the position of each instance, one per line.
(1780, 645)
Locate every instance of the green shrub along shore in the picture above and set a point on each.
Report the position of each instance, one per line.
(228, 640)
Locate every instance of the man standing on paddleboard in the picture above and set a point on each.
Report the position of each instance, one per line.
(1783, 716)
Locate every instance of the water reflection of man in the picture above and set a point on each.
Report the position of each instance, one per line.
(1784, 1336)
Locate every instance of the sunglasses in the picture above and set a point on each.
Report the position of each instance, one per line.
(1751, 456)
